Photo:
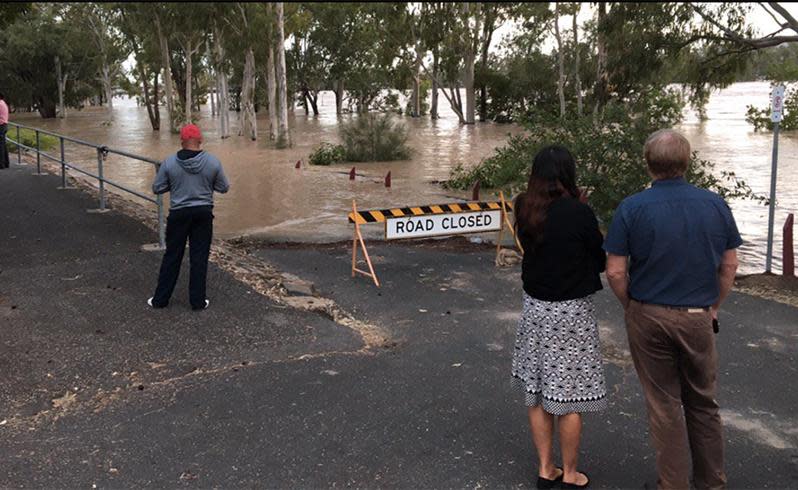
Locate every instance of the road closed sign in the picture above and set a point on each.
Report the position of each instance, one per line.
(442, 224)
(777, 103)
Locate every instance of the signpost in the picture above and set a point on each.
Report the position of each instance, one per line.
(776, 109)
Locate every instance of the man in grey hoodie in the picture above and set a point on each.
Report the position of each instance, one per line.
(191, 176)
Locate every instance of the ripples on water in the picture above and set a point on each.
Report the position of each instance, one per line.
(270, 197)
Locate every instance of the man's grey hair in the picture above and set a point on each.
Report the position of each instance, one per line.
(667, 153)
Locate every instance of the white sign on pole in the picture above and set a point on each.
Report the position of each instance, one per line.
(442, 224)
(777, 103)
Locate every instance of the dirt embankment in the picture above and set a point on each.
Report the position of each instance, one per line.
(783, 289)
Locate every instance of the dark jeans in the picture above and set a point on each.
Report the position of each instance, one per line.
(194, 224)
(3, 149)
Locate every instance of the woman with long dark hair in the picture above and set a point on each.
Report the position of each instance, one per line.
(557, 360)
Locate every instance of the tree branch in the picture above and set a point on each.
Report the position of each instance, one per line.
(791, 22)
(755, 43)
(778, 21)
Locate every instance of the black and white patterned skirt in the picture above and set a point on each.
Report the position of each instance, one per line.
(557, 360)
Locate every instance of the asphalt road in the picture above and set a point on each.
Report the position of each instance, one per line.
(98, 389)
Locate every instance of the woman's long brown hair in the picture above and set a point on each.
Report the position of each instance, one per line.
(553, 175)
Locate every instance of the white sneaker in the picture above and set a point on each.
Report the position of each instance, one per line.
(207, 303)
(149, 302)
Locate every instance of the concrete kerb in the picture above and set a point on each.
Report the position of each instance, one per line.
(263, 278)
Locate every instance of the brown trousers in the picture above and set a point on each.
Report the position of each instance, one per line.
(675, 358)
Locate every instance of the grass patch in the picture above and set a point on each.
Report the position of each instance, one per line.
(28, 138)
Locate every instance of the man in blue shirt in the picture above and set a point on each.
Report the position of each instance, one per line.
(680, 243)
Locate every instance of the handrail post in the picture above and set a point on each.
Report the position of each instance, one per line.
(161, 229)
(38, 155)
(63, 166)
(101, 178)
(19, 148)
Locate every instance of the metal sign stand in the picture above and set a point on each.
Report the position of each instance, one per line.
(777, 104)
(357, 238)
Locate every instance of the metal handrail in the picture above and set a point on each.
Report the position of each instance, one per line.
(102, 152)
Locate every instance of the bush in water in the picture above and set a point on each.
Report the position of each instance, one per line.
(374, 137)
(28, 138)
(327, 154)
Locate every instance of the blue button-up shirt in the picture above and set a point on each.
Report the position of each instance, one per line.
(675, 235)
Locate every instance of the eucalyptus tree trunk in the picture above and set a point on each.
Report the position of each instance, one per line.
(167, 76)
(433, 106)
(602, 78)
(222, 96)
(271, 88)
(189, 101)
(108, 89)
(577, 79)
(283, 135)
(488, 26)
(339, 97)
(61, 80)
(469, 59)
(156, 122)
(211, 90)
(249, 125)
(416, 99)
(224, 105)
(145, 90)
(560, 60)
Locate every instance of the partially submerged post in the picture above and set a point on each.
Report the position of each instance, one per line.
(788, 252)
(475, 191)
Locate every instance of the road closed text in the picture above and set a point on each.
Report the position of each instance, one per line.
(443, 224)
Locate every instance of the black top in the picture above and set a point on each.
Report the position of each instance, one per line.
(566, 263)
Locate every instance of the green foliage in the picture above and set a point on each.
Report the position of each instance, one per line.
(609, 158)
(28, 49)
(374, 137)
(327, 154)
(784, 69)
(28, 138)
(759, 117)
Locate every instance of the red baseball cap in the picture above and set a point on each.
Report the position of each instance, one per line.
(190, 132)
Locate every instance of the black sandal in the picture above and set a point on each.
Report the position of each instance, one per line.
(545, 483)
(574, 486)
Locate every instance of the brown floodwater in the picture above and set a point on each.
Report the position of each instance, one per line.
(269, 197)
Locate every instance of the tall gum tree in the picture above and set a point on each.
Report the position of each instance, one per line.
(283, 135)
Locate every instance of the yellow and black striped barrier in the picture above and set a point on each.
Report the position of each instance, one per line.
(427, 221)
(380, 215)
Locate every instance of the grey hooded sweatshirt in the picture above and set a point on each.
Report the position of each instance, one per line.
(190, 182)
